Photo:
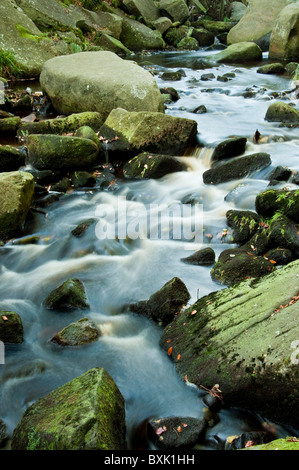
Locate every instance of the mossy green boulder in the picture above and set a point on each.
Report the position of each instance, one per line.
(77, 333)
(283, 201)
(62, 153)
(244, 338)
(134, 132)
(11, 327)
(290, 443)
(86, 413)
(9, 125)
(62, 125)
(16, 194)
(11, 158)
(69, 295)
(164, 304)
(279, 111)
(176, 10)
(137, 36)
(239, 53)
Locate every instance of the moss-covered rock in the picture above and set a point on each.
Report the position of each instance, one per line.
(282, 112)
(63, 125)
(290, 443)
(237, 168)
(109, 43)
(244, 224)
(62, 153)
(163, 305)
(11, 327)
(148, 132)
(16, 193)
(11, 158)
(284, 201)
(147, 165)
(237, 264)
(78, 333)
(9, 125)
(86, 413)
(238, 53)
(274, 68)
(233, 337)
(137, 36)
(176, 10)
(283, 233)
(145, 9)
(68, 296)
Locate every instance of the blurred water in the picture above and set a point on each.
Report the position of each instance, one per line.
(119, 271)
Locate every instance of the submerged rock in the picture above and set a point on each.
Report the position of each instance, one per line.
(78, 333)
(86, 413)
(233, 338)
(16, 193)
(11, 327)
(68, 296)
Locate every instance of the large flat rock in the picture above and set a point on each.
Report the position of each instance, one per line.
(99, 81)
(244, 338)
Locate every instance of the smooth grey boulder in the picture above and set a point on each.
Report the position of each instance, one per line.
(99, 81)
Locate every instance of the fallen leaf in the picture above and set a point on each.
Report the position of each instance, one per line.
(179, 357)
(193, 312)
(169, 351)
(168, 341)
(179, 429)
(160, 430)
(249, 444)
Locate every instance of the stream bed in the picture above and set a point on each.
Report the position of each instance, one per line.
(117, 272)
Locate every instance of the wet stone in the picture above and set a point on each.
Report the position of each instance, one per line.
(175, 432)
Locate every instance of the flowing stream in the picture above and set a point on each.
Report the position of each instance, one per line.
(116, 272)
